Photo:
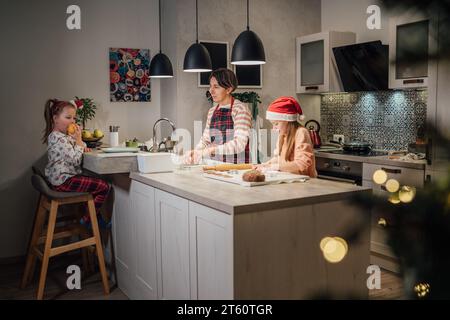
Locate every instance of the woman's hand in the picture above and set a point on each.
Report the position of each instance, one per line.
(188, 157)
(192, 157)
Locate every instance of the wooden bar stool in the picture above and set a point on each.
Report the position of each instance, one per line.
(49, 201)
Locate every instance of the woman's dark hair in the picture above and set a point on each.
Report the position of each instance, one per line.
(53, 107)
(225, 78)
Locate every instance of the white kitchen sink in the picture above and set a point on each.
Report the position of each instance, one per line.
(153, 162)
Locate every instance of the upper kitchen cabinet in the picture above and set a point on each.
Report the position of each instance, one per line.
(409, 47)
(316, 69)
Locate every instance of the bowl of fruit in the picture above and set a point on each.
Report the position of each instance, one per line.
(92, 138)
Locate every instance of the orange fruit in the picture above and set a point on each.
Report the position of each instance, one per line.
(71, 128)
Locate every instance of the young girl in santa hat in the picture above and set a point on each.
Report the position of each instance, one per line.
(294, 150)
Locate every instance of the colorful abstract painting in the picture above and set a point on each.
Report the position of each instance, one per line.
(129, 75)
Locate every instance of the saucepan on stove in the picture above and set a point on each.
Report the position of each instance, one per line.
(355, 146)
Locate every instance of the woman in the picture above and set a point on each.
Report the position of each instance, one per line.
(227, 130)
(294, 151)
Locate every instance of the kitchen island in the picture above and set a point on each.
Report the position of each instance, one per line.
(184, 236)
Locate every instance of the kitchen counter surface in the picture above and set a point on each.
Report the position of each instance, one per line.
(109, 163)
(235, 199)
(418, 164)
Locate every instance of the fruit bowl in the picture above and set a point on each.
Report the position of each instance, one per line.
(92, 137)
(92, 142)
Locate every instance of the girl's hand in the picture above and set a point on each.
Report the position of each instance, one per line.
(86, 149)
(259, 167)
(77, 136)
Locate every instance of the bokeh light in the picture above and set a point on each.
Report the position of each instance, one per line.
(334, 249)
(392, 185)
(379, 176)
(407, 194)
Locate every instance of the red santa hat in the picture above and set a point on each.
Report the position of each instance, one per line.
(285, 109)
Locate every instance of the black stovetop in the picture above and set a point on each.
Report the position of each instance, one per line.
(359, 154)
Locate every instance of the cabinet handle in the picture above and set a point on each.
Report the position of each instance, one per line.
(396, 171)
(412, 81)
(382, 222)
(312, 88)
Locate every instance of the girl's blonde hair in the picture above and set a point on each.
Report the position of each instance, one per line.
(53, 107)
(292, 127)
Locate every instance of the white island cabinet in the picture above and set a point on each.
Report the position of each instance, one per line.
(181, 236)
(211, 247)
(172, 245)
(171, 248)
(134, 229)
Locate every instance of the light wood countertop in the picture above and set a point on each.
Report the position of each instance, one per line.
(235, 199)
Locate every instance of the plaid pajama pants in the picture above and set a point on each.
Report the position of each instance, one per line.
(97, 187)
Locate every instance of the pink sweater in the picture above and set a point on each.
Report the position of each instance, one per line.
(301, 160)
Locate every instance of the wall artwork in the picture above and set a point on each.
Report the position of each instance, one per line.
(129, 75)
(218, 51)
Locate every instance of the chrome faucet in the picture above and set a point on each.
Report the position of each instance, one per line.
(155, 145)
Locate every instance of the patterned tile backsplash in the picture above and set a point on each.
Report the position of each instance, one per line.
(387, 119)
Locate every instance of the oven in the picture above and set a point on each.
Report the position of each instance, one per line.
(339, 170)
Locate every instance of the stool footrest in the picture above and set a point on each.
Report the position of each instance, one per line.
(64, 232)
(73, 246)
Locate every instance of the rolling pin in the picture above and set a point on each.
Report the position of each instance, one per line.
(231, 166)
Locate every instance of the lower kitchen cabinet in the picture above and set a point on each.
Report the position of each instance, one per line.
(170, 248)
(123, 242)
(134, 228)
(144, 251)
(405, 176)
(381, 253)
(172, 234)
(211, 247)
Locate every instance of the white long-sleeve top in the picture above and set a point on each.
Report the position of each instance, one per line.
(242, 120)
(64, 158)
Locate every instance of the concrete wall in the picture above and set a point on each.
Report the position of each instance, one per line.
(277, 23)
(42, 59)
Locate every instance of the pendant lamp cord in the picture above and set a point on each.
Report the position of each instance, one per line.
(159, 26)
(196, 20)
(248, 25)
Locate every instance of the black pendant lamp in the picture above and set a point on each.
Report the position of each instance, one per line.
(197, 57)
(248, 48)
(160, 67)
